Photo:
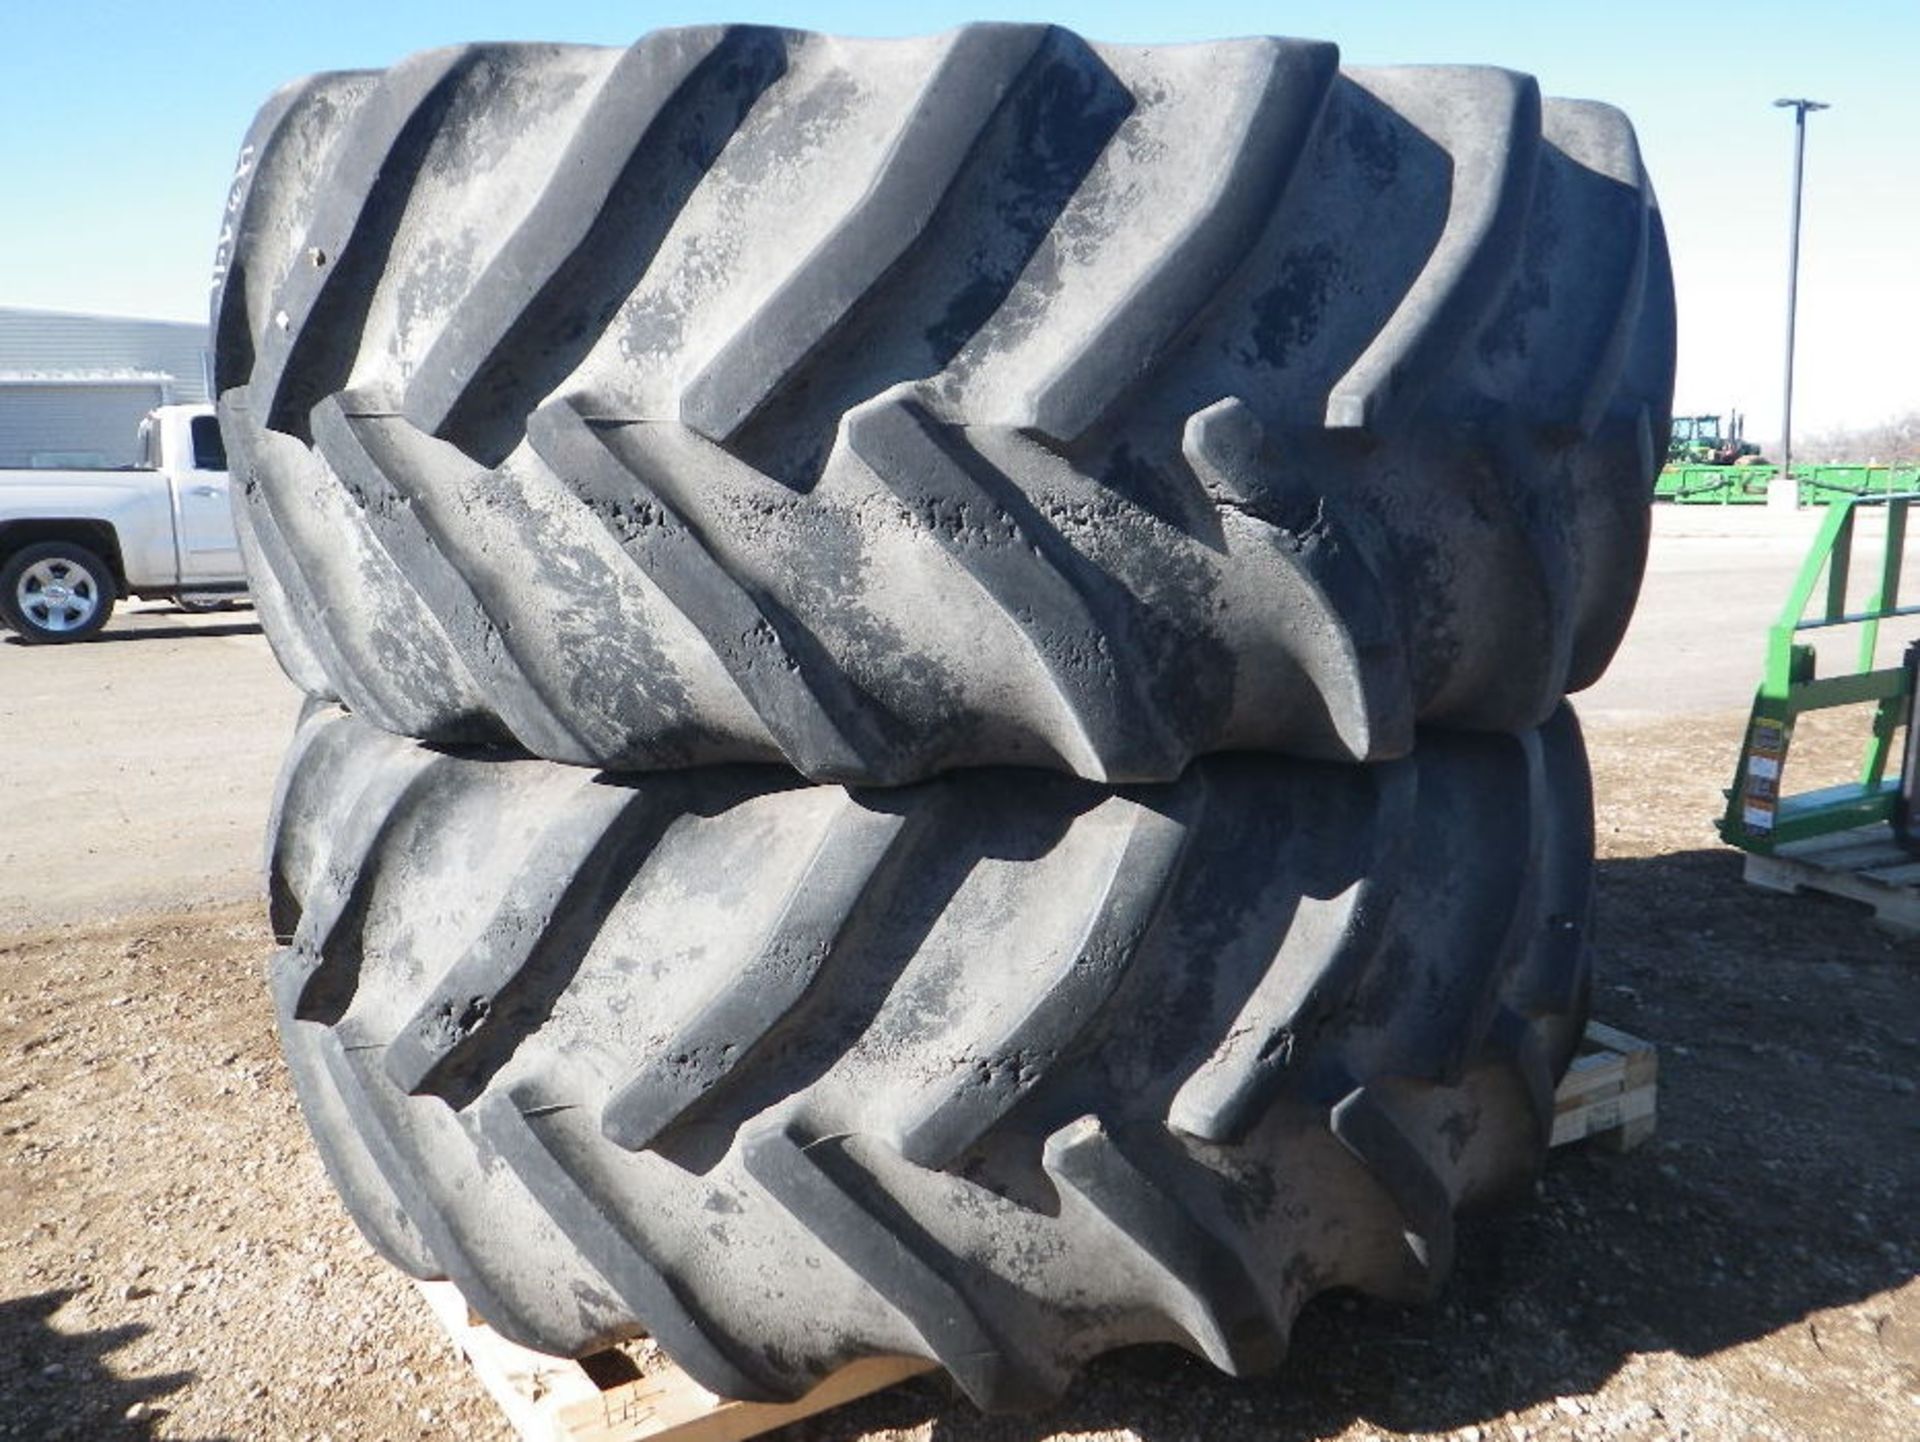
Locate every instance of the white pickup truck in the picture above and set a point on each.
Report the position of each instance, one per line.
(74, 542)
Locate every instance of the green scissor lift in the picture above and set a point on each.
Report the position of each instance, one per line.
(1760, 818)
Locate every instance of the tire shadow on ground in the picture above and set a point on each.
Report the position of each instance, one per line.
(1779, 1185)
(162, 633)
(58, 1384)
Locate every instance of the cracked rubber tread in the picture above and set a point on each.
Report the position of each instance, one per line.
(1004, 1070)
(888, 407)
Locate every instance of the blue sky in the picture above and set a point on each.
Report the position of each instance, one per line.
(121, 121)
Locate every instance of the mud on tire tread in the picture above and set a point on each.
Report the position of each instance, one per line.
(1003, 1070)
(881, 407)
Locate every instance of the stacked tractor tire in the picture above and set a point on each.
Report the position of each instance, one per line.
(937, 672)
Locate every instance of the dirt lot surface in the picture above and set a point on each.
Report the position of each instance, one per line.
(135, 769)
(173, 1263)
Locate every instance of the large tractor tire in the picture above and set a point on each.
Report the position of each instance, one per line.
(883, 407)
(1002, 1070)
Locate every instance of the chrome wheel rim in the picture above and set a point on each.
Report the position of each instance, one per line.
(57, 594)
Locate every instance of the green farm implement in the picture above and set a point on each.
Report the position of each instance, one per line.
(1706, 466)
(1691, 484)
(1760, 817)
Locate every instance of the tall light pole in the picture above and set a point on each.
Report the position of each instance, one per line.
(1800, 109)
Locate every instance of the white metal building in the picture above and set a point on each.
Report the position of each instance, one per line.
(74, 387)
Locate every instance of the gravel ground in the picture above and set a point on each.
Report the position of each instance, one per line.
(173, 1263)
(135, 770)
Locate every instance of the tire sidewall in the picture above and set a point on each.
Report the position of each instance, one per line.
(24, 626)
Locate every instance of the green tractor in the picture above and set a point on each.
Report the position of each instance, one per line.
(1697, 441)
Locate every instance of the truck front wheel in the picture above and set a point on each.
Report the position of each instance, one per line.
(55, 591)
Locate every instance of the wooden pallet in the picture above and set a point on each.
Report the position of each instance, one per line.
(608, 1399)
(1607, 1097)
(1865, 865)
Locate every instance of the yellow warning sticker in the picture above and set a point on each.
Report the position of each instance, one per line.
(1769, 738)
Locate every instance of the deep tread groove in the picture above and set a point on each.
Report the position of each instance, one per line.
(394, 665)
(842, 878)
(309, 663)
(397, 1173)
(285, 149)
(1245, 481)
(823, 1012)
(255, 524)
(1122, 911)
(1367, 1129)
(814, 1180)
(762, 648)
(371, 463)
(308, 346)
(617, 1255)
(1224, 1099)
(968, 86)
(1578, 407)
(1217, 1300)
(382, 1212)
(1492, 189)
(676, 97)
(1277, 123)
(317, 979)
(992, 228)
(569, 882)
(1362, 678)
(313, 763)
(1023, 567)
(1527, 1048)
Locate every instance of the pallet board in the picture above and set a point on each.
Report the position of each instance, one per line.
(1865, 865)
(556, 1399)
(1610, 1092)
(1607, 1096)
